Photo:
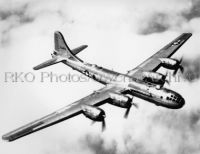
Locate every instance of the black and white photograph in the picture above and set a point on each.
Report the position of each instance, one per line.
(100, 76)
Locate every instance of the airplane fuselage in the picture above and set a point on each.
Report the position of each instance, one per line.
(141, 89)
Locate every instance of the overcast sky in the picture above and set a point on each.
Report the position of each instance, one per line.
(119, 35)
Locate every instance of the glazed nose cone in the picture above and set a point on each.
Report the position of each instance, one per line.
(181, 102)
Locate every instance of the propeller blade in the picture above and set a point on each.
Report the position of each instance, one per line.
(167, 81)
(136, 105)
(180, 61)
(127, 112)
(181, 68)
(175, 72)
(103, 125)
(166, 74)
(93, 122)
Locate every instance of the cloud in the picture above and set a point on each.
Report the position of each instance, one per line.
(163, 19)
(191, 69)
(12, 18)
(97, 145)
(184, 124)
(156, 23)
(193, 12)
(19, 13)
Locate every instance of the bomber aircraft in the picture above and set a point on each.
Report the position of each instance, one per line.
(143, 82)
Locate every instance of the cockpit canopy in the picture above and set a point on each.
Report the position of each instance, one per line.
(173, 96)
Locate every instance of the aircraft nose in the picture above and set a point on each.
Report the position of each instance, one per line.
(181, 102)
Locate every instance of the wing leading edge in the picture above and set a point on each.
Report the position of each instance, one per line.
(153, 63)
(97, 98)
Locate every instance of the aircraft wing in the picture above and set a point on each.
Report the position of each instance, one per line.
(96, 98)
(153, 63)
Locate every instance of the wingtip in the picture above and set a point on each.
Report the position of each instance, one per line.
(85, 46)
(35, 68)
(6, 138)
(190, 34)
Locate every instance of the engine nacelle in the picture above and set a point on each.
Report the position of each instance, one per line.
(169, 63)
(93, 113)
(120, 100)
(154, 77)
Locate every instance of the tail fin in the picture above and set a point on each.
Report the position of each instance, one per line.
(61, 47)
(62, 52)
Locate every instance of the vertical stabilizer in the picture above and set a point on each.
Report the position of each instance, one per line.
(61, 47)
(60, 44)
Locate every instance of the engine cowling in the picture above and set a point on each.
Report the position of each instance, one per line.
(169, 63)
(93, 113)
(172, 64)
(154, 77)
(120, 100)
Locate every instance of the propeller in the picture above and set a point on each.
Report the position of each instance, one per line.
(179, 66)
(127, 112)
(166, 81)
(103, 125)
(136, 105)
(128, 109)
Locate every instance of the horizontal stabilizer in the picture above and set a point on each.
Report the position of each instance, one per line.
(78, 49)
(49, 62)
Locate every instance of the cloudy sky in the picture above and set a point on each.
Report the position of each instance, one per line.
(120, 35)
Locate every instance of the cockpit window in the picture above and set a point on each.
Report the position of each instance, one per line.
(170, 98)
